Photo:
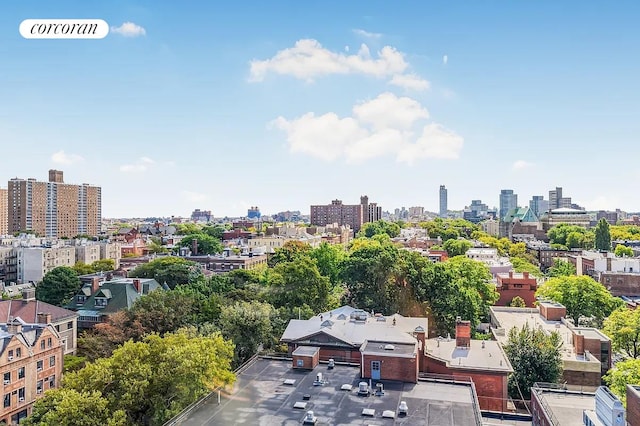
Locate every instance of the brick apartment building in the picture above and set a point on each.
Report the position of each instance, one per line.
(54, 208)
(30, 363)
(353, 215)
(4, 211)
(514, 284)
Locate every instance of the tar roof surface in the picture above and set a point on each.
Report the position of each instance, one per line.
(567, 407)
(261, 398)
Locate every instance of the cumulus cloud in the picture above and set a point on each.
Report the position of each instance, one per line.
(445, 59)
(521, 165)
(308, 59)
(141, 165)
(62, 157)
(129, 29)
(384, 126)
(410, 82)
(367, 34)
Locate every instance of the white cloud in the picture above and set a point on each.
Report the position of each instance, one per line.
(194, 197)
(602, 203)
(62, 157)
(129, 29)
(367, 34)
(521, 165)
(383, 126)
(307, 59)
(389, 111)
(445, 59)
(410, 81)
(141, 165)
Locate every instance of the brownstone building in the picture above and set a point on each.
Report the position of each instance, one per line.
(54, 208)
(30, 363)
(514, 284)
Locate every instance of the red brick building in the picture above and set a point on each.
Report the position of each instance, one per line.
(633, 405)
(513, 284)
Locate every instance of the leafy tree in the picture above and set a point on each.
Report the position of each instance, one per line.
(521, 265)
(58, 286)
(623, 327)
(456, 247)
(73, 363)
(290, 251)
(625, 232)
(206, 244)
(379, 227)
(82, 268)
(170, 270)
(458, 287)
(582, 296)
(68, 407)
(448, 229)
(156, 247)
(603, 236)
(163, 311)
(300, 282)
(575, 239)
(328, 258)
(249, 325)
(518, 302)
(369, 272)
(558, 234)
(561, 268)
(624, 373)
(153, 380)
(623, 251)
(187, 228)
(535, 357)
(215, 231)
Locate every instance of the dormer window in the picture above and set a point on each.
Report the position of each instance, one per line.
(101, 302)
(80, 299)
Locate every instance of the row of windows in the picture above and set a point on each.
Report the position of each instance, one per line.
(21, 371)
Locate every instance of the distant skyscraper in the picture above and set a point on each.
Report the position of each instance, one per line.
(554, 198)
(539, 205)
(508, 202)
(253, 213)
(443, 201)
(54, 208)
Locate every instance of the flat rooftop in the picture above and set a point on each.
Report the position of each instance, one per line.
(260, 397)
(486, 355)
(567, 407)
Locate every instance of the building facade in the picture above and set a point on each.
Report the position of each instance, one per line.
(353, 215)
(443, 201)
(508, 202)
(54, 208)
(30, 363)
(4, 211)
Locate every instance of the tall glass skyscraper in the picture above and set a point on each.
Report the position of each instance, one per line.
(443, 201)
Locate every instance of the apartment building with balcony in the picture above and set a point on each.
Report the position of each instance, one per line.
(35, 262)
(31, 359)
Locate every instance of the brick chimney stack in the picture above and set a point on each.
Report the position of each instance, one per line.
(137, 285)
(44, 318)
(463, 333)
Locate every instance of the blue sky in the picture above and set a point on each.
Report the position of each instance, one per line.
(287, 104)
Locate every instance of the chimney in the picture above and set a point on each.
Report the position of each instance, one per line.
(463, 333)
(44, 318)
(194, 246)
(29, 294)
(137, 286)
(510, 274)
(525, 274)
(578, 343)
(95, 284)
(14, 327)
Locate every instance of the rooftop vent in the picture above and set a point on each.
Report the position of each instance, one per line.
(327, 323)
(389, 347)
(403, 409)
(310, 419)
(388, 414)
(369, 412)
(363, 388)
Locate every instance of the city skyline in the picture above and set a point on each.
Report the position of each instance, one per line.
(224, 109)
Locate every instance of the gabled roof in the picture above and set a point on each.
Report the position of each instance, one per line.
(28, 310)
(522, 214)
(121, 294)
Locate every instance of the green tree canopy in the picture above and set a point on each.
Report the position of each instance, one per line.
(153, 380)
(522, 265)
(249, 325)
(290, 251)
(623, 251)
(169, 269)
(370, 229)
(603, 236)
(187, 228)
(624, 232)
(215, 231)
(583, 297)
(206, 244)
(68, 407)
(58, 286)
(449, 228)
(329, 258)
(300, 283)
(561, 268)
(624, 373)
(535, 357)
(559, 234)
(623, 327)
(518, 302)
(456, 247)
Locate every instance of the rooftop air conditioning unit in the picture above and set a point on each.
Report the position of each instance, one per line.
(310, 419)
(6, 382)
(10, 358)
(21, 399)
